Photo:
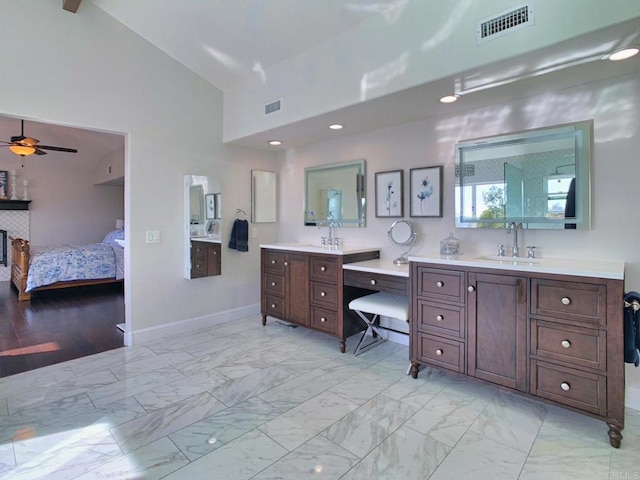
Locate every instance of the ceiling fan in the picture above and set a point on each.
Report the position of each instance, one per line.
(24, 146)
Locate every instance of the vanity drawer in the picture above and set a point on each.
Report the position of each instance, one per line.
(441, 352)
(325, 320)
(441, 284)
(324, 268)
(583, 390)
(580, 346)
(274, 306)
(376, 281)
(198, 268)
(274, 261)
(571, 301)
(324, 294)
(274, 284)
(198, 250)
(445, 319)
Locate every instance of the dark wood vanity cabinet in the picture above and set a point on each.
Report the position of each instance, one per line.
(306, 289)
(559, 338)
(205, 259)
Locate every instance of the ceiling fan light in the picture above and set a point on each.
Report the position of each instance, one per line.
(22, 150)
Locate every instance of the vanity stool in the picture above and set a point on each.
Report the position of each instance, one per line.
(377, 304)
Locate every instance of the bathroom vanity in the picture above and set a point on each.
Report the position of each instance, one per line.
(205, 257)
(548, 328)
(303, 285)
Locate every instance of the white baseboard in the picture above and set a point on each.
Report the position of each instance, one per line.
(138, 337)
(632, 398)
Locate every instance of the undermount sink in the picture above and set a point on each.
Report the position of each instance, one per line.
(510, 260)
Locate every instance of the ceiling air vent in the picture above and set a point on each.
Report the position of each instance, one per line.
(273, 107)
(505, 22)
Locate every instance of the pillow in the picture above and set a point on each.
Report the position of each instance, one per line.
(114, 235)
(120, 242)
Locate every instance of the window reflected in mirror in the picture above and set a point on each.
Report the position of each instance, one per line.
(539, 178)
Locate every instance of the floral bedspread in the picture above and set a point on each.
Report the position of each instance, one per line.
(70, 262)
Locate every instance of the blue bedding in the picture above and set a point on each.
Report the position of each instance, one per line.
(71, 262)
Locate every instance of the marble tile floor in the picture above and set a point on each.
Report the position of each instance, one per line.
(242, 401)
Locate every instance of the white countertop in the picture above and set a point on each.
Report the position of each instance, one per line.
(384, 267)
(309, 248)
(206, 239)
(561, 266)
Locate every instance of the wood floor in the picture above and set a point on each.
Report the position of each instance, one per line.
(58, 325)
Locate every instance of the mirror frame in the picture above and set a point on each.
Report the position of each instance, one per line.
(582, 135)
(337, 169)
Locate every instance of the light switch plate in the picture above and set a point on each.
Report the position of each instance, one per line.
(153, 236)
(254, 232)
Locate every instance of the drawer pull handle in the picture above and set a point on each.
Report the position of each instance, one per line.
(286, 264)
(323, 294)
(439, 284)
(373, 282)
(471, 288)
(273, 262)
(197, 265)
(439, 352)
(565, 386)
(439, 318)
(323, 269)
(273, 305)
(273, 284)
(323, 319)
(565, 343)
(565, 300)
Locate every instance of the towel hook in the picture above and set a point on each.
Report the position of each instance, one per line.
(240, 211)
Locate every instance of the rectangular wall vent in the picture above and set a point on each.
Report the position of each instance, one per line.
(505, 22)
(273, 107)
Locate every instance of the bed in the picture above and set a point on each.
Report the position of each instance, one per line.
(46, 268)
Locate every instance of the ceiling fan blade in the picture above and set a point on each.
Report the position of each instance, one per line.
(30, 140)
(40, 152)
(57, 149)
(18, 138)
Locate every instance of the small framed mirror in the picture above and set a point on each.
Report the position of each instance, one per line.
(403, 236)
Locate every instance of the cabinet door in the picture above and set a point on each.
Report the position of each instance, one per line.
(213, 260)
(497, 329)
(297, 288)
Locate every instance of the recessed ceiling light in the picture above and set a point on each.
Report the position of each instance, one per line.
(275, 142)
(449, 98)
(624, 53)
(335, 126)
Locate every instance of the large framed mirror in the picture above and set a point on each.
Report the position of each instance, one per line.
(540, 178)
(203, 226)
(335, 194)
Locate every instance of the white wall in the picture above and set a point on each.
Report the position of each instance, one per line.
(88, 70)
(613, 104)
(414, 43)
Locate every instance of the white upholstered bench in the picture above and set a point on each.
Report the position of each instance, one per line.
(376, 305)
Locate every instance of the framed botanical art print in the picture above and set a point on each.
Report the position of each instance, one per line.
(390, 194)
(210, 206)
(426, 191)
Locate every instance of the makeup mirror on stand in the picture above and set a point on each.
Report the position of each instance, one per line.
(403, 237)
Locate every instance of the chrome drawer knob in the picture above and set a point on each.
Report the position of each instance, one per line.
(273, 305)
(565, 300)
(323, 294)
(439, 352)
(286, 264)
(273, 262)
(439, 318)
(565, 343)
(273, 284)
(323, 269)
(439, 284)
(471, 288)
(373, 282)
(565, 386)
(323, 319)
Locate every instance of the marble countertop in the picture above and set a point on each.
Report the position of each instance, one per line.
(309, 248)
(206, 239)
(384, 267)
(561, 266)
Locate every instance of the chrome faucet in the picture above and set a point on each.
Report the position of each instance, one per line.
(513, 227)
